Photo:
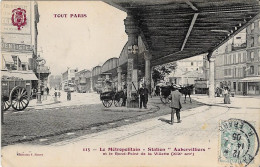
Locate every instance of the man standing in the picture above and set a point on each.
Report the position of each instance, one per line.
(143, 92)
(175, 104)
(124, 96)
(47, 90)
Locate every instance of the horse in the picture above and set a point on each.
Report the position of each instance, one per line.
(187, 90)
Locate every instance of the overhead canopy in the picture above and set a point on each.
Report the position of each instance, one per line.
(250, 79)
(8, 59)
(20, 75)
(178, 29)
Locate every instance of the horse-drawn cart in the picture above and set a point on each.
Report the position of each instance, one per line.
(16, 89)
(109, 97)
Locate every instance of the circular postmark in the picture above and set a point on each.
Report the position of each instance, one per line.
(239, 142)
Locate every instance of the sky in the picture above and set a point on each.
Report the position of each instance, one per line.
(81, 43)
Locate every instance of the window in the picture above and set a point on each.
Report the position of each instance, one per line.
(8, 66)
(235, 58)
(14, 66)
(258, 55)
(252, 56)
(258, 69)
(251, 71)
(252, 42)
(231, 59)
(252, 26)
(227, 72)
(243, 59)
(234, 85)
(258, 39)
(191, 63)
(239, 58)
(23, 67)
(239, 86)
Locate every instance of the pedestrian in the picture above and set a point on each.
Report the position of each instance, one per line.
(124, 96)
(143, 92)
(68, 95)
(47, 90)
(151, 94)
(175, 104)
(55, 95)
(226, 95)
(157, 91)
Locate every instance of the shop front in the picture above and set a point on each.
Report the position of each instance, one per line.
(251, 85)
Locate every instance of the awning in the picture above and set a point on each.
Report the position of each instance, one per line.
(250, 79)
(24, 75)
(8, 59)
(24, 59)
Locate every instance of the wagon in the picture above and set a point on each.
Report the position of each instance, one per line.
(16, 89)
(109, 97)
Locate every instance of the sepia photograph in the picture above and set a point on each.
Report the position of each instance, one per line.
(130, 83)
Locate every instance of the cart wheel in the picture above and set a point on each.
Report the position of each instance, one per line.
(107, 103)
(20, 99)
(165, 100)
(118, 102)
(5, 103)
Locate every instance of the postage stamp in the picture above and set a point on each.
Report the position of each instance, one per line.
(239, 142)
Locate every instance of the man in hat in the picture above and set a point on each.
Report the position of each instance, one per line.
(175, 104)
(143, 92)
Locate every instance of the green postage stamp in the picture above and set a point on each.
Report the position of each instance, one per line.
(239, 142)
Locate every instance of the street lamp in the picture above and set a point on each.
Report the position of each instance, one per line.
(40, 61)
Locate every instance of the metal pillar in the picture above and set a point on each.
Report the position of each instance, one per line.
(132, 30)
(211, 60)
(39, 101)
(119, 78)
(91, 82)
(148, 57)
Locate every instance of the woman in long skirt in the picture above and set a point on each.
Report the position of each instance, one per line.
(226, 96)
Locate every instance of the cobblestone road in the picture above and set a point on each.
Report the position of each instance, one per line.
(45, 126)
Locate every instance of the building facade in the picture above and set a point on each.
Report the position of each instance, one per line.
(68, 79)
(187, 71)
(55, 82)
(237, 66)
(252, 79)
(82, 81)
(19, 43)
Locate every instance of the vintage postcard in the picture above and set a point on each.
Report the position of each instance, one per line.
(130, 83)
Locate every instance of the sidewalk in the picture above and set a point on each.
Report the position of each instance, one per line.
(236, 101)
(198, 130)
(76, 99)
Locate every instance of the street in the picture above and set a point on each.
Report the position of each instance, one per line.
(82, 115)
(88, 130)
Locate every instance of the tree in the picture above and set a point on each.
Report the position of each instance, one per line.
(160, 71)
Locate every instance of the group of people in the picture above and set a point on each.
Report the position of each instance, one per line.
(175, 97)
(226, 94)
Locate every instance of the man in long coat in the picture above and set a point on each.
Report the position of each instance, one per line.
(143, 92)
(175, 104)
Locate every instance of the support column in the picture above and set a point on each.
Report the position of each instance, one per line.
(152, 82)
(119, 78)
(132, 30)
(148, 57)
(211, 60)
(91, 82)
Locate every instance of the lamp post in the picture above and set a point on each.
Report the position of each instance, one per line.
(40, 61)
